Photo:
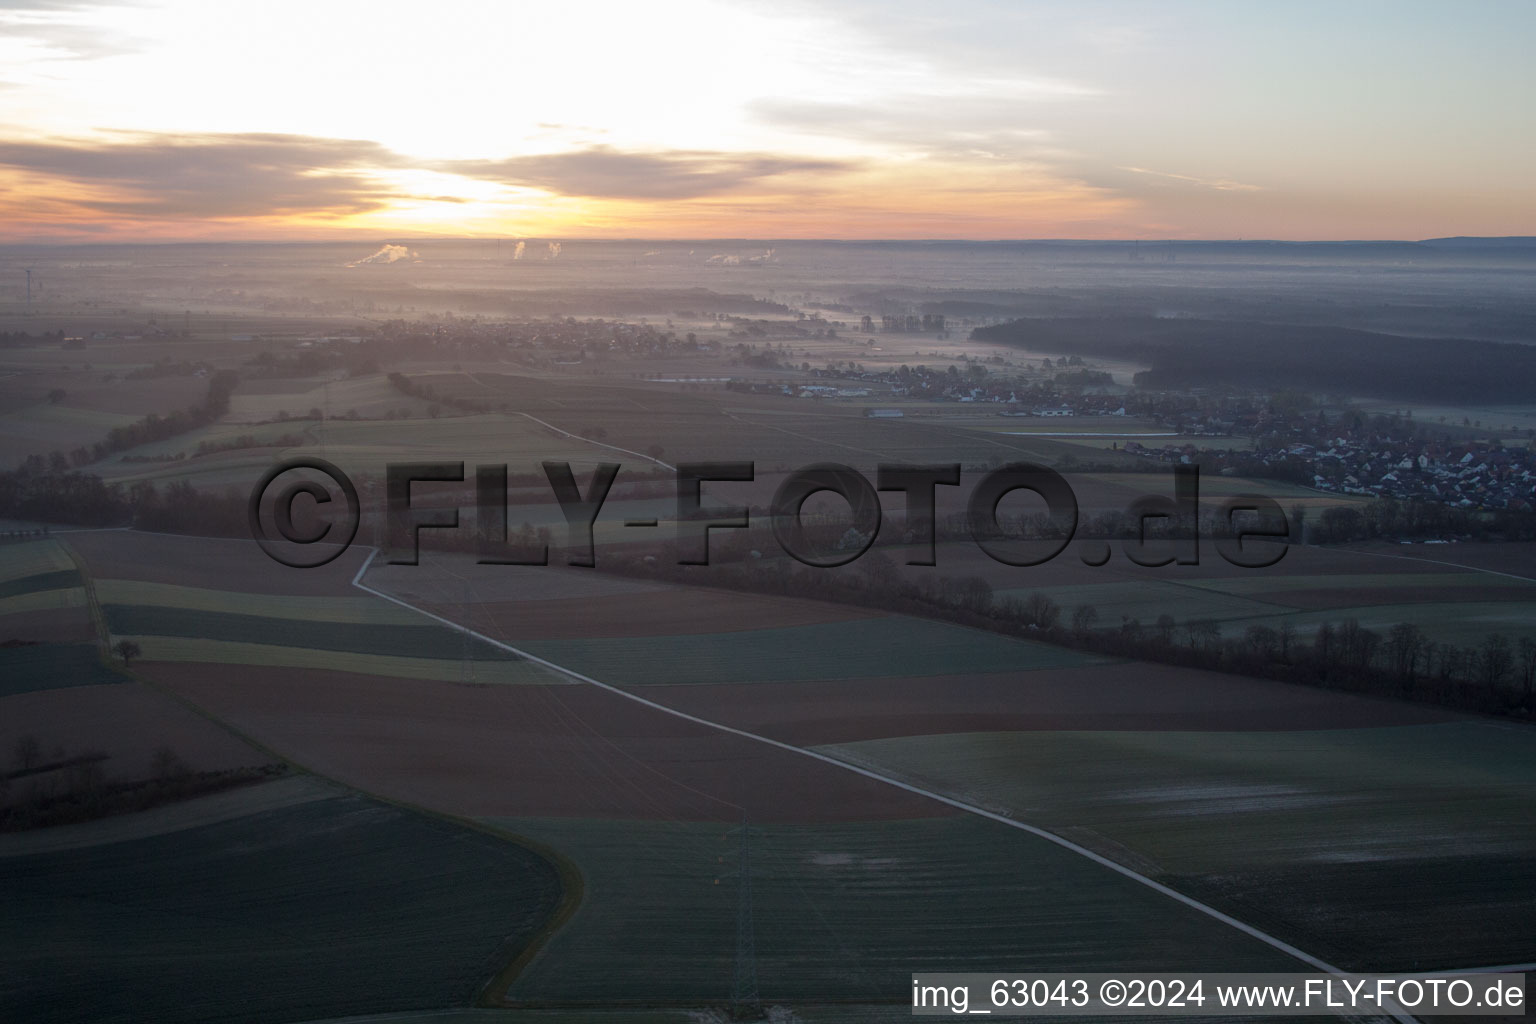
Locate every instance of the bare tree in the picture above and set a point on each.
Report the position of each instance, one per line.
(1041, 611)
(127, 650)
(1405, 647)
(1527, 667)
(1262, 641)
(1287, 638)
(1494, 659)
(167, 764)
(1203, 632)
(28, 753)
(86, 778)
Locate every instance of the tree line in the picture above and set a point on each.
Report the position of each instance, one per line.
(151, 428)
(1497, 675)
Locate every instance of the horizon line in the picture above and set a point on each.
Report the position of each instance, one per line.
(764, 239)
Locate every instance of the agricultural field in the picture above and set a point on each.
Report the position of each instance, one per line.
(278, 914)
(1408, 847)
(1465, 623)
(1460, 608)
(41, 596)
(359, 447)
(94, 400)
(705, 422)
(367, 397)
(844, 911)
(49, 641)
(248, 610)
(63, 697)
(1456, 603)
(1291, 808)
(840, 650)
(642, 803)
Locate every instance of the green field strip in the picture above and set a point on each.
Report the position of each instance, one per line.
(34, 417)
(406, 641)
(1145, 600)
(848, 911)
(1466, 623)
(231, 652)
(57, 579)
(41, 601)
(858, 648)
(358, 610)
(35, 667)
(336, 907)
(1266, 583)
(1264, 825)
(31, 557)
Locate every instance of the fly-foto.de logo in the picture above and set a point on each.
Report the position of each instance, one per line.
(305, 512)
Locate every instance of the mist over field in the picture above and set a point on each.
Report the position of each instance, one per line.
(1475, 289)
(809, 512)
(605, 722)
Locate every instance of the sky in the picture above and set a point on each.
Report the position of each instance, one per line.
(318, 119)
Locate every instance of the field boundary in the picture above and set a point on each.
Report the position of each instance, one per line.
(1252, 932)
(1437, 561)
(572, 883)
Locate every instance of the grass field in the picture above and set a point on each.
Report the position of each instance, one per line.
(41, 428)
(845, 912)
(360, 610)
(355, 634)
(24, 559)
(840, 650)
(57, 579)
(420, 640)
(96, 399)
(235, 565)
(1304, 823)
(50, 666)
(357, 446)
(1454, 607)
(212, 654)
(1314, 822)
(43, 612)
(39, 601)
(1458, 583)
(1459, 622)
(1392, 848)
(340, 906)
(59, 690)
(1147, 599)
(368, 397)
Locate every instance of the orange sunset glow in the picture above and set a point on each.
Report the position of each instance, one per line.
(169, 120)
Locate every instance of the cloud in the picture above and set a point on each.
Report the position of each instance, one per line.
(63, 29)
(39, 6)
(604, 172)
(934, 126)
(179, 176)
(1219, 184)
